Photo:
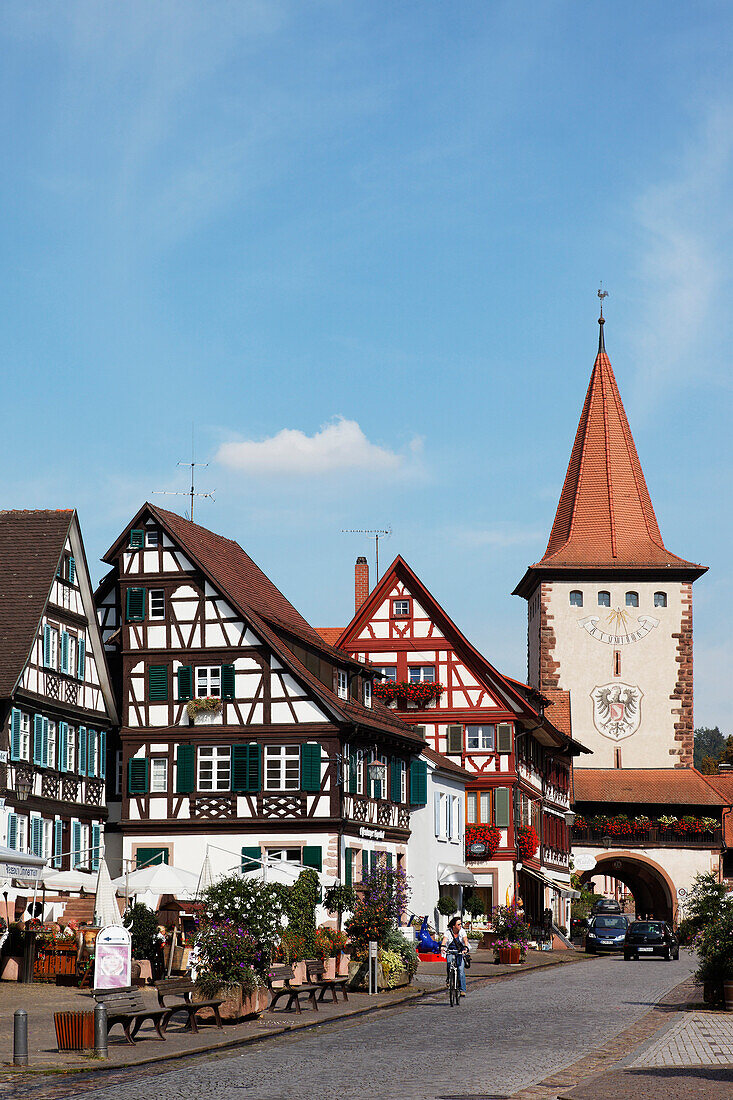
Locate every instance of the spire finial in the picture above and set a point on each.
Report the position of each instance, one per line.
(601, 294)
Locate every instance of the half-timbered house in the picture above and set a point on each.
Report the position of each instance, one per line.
(489, 724)
(243, 732)
(56, 702)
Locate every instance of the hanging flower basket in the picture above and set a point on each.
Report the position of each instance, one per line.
(527, 842)
(421, 694)
(208, 705)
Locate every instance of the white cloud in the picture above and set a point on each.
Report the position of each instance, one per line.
(340, 445)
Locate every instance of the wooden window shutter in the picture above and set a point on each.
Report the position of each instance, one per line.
(135, 606)
(82, 736)
(72, 570)
(313, 856)
(227, 681)
(91, 752)
(36, 835)
(364, 864)
(501, 807)
(137, 539)
(80, 658)
(75, 843)
(63, 745)
(158, 683)
(254, 768)
(504, 737)
(388, 860)
(240, 767)
(353, 774)
(420, 730)
(185, 683)
(251, 859)
(310, 767)
(418, 783)
(185, 769)
(58, 842)
(103, 754)
(436, 813)
(64, 651)
(96, 839)
(394, 780)
(137, 775)
(15, 735)
(12, 831)
(454, 736)
(37, 739)
(47, 646)
(44, 760)
(349, 867)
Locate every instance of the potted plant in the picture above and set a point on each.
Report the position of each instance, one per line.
(513, 935)
(205, 710)
(446, 905)
(381, 903)
(714, 946)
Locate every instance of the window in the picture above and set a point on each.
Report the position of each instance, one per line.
(284, 855)
(480, 738)
(367, 693)
(152, 536)
(85, 853)
(604, 599)
(617, 662)
(421, 674)
(159, 775)
(400, 608)
(576, 598)
(17, 832)
(342, 684)
(632, 599)
(71, 750)
(71, 663)
(46, 838)
(215, 767)
(389, 673)
(478, 807)
(25, 736)
(282, 767)
(208, 681)
(51, 753)
(157, 603)
(403, 781)
(50, 647)
(660, 599)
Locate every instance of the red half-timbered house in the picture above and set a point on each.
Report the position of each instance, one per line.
(242, 730)
(489, 724)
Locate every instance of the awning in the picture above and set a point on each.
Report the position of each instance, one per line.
(450, 874)
(563, 891)
(23, 865)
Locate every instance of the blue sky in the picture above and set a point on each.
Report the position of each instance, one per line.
(369, 237)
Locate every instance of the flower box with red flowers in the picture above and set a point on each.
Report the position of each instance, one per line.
(527, 842)
(482, 841)
(419, 694)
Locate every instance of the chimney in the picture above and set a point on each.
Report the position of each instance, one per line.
(361, 583)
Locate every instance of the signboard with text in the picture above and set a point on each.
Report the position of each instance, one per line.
(113, 958)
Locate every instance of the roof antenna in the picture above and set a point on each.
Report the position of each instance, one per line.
(378, 533)
(601, 294)
(192, 491)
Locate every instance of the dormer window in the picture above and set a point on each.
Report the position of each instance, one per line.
(660, 599)
(576, 598)
(632, 599)
(152, 536)
(342, 684)
(367, 693)
(401, 609)
(604, 599)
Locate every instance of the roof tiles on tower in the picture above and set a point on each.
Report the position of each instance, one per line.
(655, 786)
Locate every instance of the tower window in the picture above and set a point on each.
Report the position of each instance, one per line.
(576, 598)
(660, 599)
(632, 599)
(616, 663)
(604, 599)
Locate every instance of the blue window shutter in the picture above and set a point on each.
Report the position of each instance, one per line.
(92, 753)
(80, 658)
(436, 804)
(102, 754)
(460, 818)
(36, 835)
(12, 830)
(62, 748)
(38, 739)
(418, 782)
(15, 734)
(96, 840)
(72, 570)
(58, 842)
(45, 743)
(75, 844)
(82, 750)
(47, 646)
(395, 786)
(64, 651)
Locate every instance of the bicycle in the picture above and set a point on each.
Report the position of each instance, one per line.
(454, 989)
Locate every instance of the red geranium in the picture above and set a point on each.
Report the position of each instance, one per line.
(483, 834)
(387, 691)
(527, 842)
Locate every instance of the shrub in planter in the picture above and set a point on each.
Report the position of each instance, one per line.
(715, 948)
(446, 905)
(339, 900)
(381, 904)
(395, 942)
(230, 965)
(254, 906)
(512, 929)
(143, 925)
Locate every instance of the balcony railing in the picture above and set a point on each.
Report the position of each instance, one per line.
(376, 812)
(648, 838)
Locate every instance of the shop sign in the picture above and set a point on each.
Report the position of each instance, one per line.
(373, 834)
(478, 849)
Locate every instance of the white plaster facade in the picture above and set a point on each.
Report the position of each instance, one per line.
(437, 837)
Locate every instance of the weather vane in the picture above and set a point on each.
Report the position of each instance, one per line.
(602, 294)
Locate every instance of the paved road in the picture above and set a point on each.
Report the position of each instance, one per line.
(504, 1036)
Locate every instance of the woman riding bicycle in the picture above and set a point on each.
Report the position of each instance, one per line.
(455, 941)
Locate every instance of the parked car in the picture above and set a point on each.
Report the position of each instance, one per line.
(606, 932)
(605, 905)
(651, 937)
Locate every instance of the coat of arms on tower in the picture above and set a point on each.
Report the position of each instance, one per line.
(617, 710)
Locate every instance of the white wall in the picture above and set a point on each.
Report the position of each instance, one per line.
(425, 850)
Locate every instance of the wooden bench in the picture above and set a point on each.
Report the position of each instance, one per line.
(127, 1007)
(184, 988)
(293, 993)
(315, 970)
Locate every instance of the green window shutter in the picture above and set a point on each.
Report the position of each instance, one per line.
(394, 780)
(72, 571)
(454, 737)
(313, 856)
(96, 841)
(353, 774)
(349, 867)
(47, 646)
(80, 658)
(36, 836)
(185, 769)
(501, 807)
(504, 737)
(64, 651)
(75, 844)
(388, 858)
(37, 739)
(137, 539)
(364, 864)
(58, 842)
(15, 734)
(150, 857)
(137, 775)
(418, 783)
(185, 683)
(227, 681)
(310, 767)
(135, 605)
(103, 754)
(240, 767)
(45, 743)
(158, 683)
(254, 768)
(92, 753)
(12, 831)
(251, 859)
(63, 745)
(82, 735)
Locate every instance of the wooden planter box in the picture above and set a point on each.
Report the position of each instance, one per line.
(55, 960)
(359, 978)
(237, 1005)
(74, 1030)
(510, 956)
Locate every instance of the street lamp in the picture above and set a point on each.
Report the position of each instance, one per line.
(23, 784)
(569, 818)
(607, 841)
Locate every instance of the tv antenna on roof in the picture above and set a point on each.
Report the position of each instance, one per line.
(378, 534)
(192, 491)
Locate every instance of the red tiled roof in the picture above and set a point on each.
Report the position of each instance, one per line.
(559, 709)
(31, 543)
(446, 764)
(655, 786)
(330, 634)
(605, 516)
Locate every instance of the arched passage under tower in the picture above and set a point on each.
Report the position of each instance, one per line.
(653, 890)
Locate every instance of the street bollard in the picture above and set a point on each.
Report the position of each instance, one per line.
(20, 1037)
(100, 1031)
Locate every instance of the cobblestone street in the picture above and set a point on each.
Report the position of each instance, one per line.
(504, 1037)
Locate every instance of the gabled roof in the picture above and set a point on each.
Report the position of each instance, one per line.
(605, 518)
(517, 697)
(31, 545)
(445, 764)
(272, 616)
(654, 786)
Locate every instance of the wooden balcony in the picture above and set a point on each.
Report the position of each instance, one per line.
(376, 812)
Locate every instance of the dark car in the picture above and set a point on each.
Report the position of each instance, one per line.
(651, 937)
(606, 932)
(606, 905)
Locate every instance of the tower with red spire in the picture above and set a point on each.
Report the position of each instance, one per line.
(609, 607)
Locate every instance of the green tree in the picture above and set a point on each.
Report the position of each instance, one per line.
(708, 742)
(143, 925)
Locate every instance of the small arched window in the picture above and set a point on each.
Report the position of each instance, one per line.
(604, 599)
(632, 599)
(576, 598)
(660, 599)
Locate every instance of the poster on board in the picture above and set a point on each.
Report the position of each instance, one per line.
(112, 958)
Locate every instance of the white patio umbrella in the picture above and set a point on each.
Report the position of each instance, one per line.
(158, 879)
(106, 909)
(71, 881)
(206, 878)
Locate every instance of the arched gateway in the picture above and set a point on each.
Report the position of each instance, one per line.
(653, 890)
